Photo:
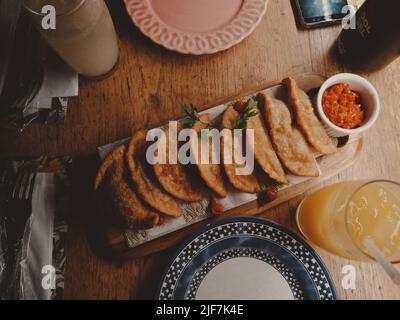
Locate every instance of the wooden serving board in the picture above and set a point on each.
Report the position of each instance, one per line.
(330, 166)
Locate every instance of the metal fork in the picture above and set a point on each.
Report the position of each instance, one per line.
(18, 210)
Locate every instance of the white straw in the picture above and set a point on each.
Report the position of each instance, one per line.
(393, 273)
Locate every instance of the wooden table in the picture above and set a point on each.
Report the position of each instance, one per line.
(145, 92)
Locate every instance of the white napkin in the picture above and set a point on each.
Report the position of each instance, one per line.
(59, 82)
(38, 240)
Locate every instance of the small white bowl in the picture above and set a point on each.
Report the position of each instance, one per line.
(369, 97)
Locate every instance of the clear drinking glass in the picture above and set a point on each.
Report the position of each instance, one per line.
(341, 217)
(84, 37)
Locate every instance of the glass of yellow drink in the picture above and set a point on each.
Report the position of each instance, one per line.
(341, 217)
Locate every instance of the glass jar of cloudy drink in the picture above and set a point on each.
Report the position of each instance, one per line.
(340, 219)
(84, 35)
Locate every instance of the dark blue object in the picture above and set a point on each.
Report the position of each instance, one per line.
(298, 263)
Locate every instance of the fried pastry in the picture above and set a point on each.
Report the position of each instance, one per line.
(246, 183)
(263, 150)
(210, 173)
(117, 197)
(143, 177)
(307, 120)
(289, 143)
(177, 179)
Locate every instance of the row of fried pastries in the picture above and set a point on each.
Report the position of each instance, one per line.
(134, 193)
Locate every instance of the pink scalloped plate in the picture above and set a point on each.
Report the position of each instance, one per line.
(196, 26)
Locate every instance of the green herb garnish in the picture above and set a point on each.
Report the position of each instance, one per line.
(248, 112)
(192, 116)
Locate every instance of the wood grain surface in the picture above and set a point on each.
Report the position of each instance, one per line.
(145, 91)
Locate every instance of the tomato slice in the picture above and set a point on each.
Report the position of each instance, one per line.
(216, 207)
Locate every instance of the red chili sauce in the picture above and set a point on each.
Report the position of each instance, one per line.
(343, 106)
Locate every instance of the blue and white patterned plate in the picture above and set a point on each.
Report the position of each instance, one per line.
(246, 258)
